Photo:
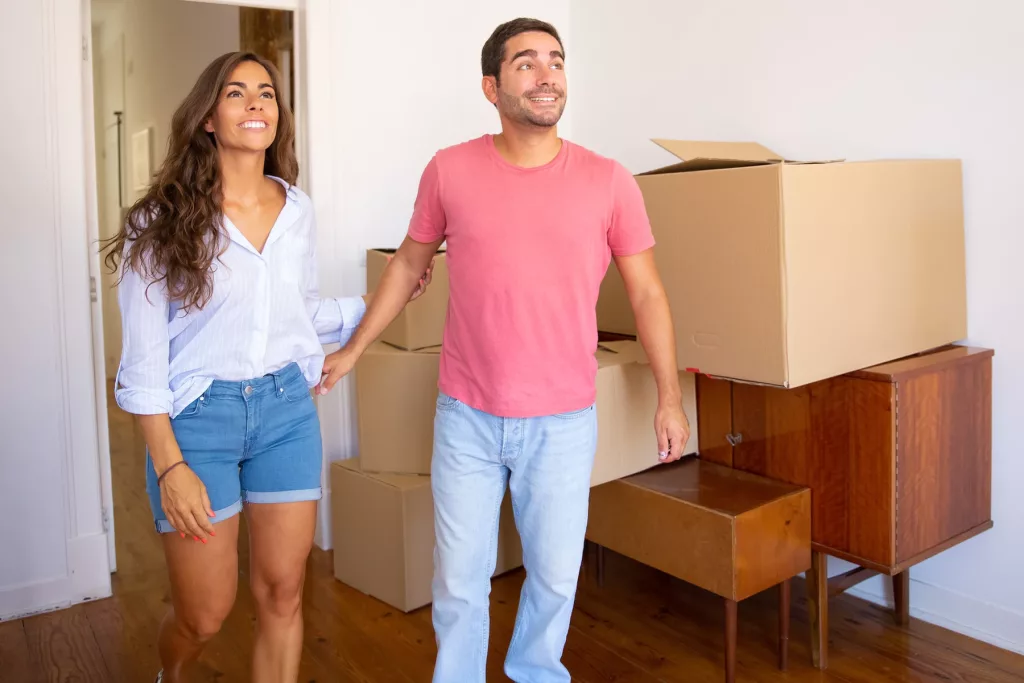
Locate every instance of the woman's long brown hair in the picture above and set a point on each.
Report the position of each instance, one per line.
(173, 233)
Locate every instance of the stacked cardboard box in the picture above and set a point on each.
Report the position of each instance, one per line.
(382, 509)
(784, 273)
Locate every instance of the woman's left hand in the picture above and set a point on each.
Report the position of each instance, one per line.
(423, 283)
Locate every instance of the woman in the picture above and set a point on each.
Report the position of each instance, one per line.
(222, 343)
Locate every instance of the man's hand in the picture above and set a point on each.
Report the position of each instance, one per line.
(673, 430)
(336, 366)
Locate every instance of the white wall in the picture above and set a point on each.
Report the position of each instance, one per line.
(54, 549)
(396, 96)
(874, 79)
(167, 45)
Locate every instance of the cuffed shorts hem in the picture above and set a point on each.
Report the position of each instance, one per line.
(282, 496)
(164, 527)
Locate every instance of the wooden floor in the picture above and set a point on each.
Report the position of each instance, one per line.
(640, 627)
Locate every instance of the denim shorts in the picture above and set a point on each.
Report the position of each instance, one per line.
(255, 441)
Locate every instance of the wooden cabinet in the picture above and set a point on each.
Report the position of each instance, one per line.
(898, 457)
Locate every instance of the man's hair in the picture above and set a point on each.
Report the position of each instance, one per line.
(493, 53)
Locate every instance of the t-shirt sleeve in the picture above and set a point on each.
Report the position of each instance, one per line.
(630, 229)
(428, 220)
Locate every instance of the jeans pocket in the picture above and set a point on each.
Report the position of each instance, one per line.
(296, 390)
(575, 414)
(446, 403)
(193, 409)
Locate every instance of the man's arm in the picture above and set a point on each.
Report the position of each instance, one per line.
(400, 280)
(657, 336)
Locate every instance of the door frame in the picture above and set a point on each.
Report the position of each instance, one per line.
(76, 157)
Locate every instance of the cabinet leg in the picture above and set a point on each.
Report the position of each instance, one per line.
(784, 600)
(730, 641)
(817, 607)
(901, 596)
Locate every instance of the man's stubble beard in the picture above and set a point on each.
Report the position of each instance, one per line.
(518, 108)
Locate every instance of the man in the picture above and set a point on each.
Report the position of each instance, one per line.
(531, 223)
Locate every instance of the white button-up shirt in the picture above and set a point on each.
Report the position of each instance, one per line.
(265, 313)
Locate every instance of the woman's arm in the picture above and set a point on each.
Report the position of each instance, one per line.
(142, 388)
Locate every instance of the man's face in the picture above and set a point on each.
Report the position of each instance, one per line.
(532, 89)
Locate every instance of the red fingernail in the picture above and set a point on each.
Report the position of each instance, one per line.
(213, 514)
(182, 534)
(213, 533)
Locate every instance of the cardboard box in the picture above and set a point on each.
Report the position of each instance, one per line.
(383, 534)
(787, 273)
(396, 397)
(627, 399)
(614, 312)
(421, 322)
(730, 532)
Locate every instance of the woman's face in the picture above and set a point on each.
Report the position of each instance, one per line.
(245, 118)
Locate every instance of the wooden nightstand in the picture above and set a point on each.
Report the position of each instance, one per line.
(898, 458)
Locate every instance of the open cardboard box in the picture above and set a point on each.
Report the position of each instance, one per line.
(786, 273)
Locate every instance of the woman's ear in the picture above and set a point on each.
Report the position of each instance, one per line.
(208, 125)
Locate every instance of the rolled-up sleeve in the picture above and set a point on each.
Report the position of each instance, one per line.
(335, 320)
(142, 385)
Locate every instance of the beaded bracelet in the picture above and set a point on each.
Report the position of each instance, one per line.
(161, 477)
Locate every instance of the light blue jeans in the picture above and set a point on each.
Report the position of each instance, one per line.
(547, 463)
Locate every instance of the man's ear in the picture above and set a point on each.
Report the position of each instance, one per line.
(490, 88)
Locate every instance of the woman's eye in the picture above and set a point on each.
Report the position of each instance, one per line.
(268, 95)
(234, 93)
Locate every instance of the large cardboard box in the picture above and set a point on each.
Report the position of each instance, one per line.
(421, 322)
(396, 396)
(383, 534)
(786, 273)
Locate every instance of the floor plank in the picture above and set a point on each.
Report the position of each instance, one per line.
(640, 626)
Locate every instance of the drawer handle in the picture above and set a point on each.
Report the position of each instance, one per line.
(734, 439)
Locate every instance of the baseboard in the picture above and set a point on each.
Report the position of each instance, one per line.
(88, 579)
(974, 618)
(89, 561)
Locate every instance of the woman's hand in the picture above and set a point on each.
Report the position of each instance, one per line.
(185, 503)
(423, 283)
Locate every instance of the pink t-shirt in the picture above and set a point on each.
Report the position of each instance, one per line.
(527, 250)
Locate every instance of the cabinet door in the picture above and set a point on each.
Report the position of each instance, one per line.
(836, 437)
(945, 455)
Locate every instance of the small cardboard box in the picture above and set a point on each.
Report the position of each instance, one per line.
(383, 534)
(396, 397)
(421, 322)
(627, 400)
(786, 273)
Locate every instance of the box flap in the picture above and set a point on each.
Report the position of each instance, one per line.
(383, 348)
(402, 482)
(687, 150)
(620, 353)
(706, 156)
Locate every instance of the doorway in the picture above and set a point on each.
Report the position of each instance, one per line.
(145, 57)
